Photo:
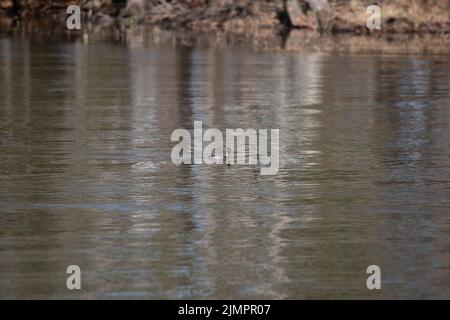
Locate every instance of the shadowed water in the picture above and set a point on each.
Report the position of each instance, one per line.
(86, 176)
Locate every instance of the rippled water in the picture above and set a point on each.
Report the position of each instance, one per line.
(86, 176)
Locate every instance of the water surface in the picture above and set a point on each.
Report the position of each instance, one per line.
(86, 176)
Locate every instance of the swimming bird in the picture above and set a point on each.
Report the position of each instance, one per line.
(222, 159)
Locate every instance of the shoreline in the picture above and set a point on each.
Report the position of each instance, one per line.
(296, 41)
(254, 24)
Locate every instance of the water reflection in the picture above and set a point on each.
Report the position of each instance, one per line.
(87, 178)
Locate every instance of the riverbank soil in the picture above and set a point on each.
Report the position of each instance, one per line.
(252, 20)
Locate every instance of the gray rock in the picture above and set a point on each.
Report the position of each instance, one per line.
(314, 14)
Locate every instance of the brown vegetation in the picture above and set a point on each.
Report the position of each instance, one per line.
(398, 16)
(254, 21)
